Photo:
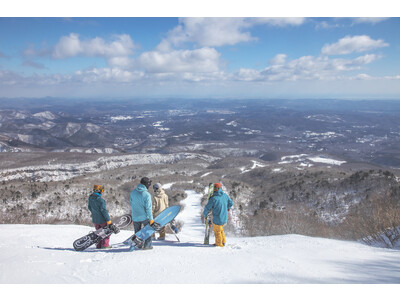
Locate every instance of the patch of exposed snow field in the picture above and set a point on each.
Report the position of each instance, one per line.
(44, 254)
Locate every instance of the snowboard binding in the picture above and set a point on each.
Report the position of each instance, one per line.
(137, 242)
(156, 226)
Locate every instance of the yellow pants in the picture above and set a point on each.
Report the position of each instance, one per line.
(219, 235)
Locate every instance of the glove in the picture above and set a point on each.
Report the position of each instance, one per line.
(113, 228)
(156, 226)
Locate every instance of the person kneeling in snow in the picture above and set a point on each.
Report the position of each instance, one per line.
(100, 216)
(219, 203)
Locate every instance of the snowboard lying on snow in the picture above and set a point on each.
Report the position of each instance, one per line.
(96, 236)
(137, 240)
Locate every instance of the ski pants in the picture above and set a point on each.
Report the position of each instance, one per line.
(161, 232)
(219, 235)
(139, 225)
(103, 243)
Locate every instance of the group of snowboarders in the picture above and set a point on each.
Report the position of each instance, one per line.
(145, 209)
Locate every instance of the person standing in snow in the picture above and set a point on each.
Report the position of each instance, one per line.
(100, 216)
(141, 204)
(219, 203)
(160, 202)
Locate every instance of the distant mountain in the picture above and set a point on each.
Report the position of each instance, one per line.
(363, 131)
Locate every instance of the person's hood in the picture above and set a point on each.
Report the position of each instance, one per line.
(141, 188)
(160, 191)
(219, 192)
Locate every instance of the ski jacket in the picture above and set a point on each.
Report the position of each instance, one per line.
(160, 202)
(141, 204)
(219, 203)
(97, 207)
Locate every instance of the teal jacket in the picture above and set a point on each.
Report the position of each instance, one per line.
(219, 203)
(97, 207)
(142, 208)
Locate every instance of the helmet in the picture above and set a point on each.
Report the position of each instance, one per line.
(157, 186)
(97, 188)
(217, 186)
(146, 182)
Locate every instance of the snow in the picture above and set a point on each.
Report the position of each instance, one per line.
(325, 160)
(44, 254)
(45, 115)
(206, 174)
(301, 158)
(120, 118)
(255, 165)
(57, 172)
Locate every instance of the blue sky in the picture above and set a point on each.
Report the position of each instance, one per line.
(236, 57)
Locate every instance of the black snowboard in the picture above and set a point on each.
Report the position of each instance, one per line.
(96, 236)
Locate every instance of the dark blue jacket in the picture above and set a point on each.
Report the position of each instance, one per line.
(97, 207)
(219, 203)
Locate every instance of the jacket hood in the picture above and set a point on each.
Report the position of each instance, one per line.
(160, 191)
(219, 192)
(141, 188)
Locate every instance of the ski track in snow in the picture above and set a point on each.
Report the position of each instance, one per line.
(44, 254)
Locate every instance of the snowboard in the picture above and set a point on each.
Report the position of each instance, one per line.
(208, 220)
(137, 240)
(96, 236)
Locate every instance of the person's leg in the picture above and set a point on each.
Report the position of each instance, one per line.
(148, 242)
(100, 244)
(218, 235)
(223, 235)
(137, 226)
(162, 234)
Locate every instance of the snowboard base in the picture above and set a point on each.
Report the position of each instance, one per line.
(95, 237)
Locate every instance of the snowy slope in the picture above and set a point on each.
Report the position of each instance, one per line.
(44, 254)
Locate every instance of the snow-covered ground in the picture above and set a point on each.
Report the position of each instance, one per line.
(44, 254)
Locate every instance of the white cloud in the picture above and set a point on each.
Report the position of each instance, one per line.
(107, 75)
(217, 32)
(249, 75)
(122, 62)
(351, 44)
(372, 20)
(280, 22)
(363, 77)
(305, 68)
(279, 59)
(207, 32)
(72, 45)
(395, 77)
(180, 61)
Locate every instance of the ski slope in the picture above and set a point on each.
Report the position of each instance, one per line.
(44, 254)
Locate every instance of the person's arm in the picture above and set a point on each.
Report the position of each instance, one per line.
(230, 203)
(104, 211)
(208, 207)
(149, 207)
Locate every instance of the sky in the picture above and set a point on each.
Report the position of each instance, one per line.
(196, 57)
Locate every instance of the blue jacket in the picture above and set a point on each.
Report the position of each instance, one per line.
(219, 203)
(141, 204)
(97, 207)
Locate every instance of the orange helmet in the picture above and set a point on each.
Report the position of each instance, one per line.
(97, 188)
(217, 186)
